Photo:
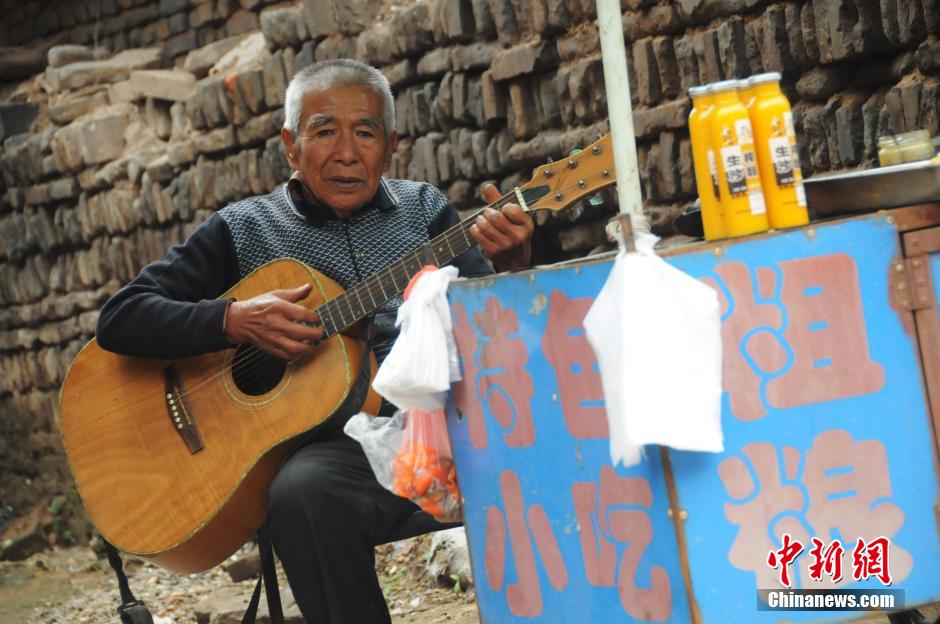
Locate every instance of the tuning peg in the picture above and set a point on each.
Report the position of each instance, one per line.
(574, 151)
(550, 160)
(598, 136)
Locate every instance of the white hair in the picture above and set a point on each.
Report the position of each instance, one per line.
(326, 74)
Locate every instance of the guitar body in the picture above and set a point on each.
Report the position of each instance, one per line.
(186, 507)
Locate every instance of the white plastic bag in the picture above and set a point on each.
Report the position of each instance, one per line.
(411, 456)
(657, 335)
(417, 372)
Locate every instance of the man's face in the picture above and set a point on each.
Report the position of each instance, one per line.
(341, 150)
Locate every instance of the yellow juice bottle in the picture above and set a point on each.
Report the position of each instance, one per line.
(777, 157)
(703, 158)
(742, 200)
(745, 94)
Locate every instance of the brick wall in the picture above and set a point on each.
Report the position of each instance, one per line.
(115, 170)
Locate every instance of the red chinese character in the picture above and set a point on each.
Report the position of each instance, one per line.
(464, 391)
(849, 487)
(844, 489)
(606, 521)
(567, 349)
(783, 557)
(828, 560)
(826, 332)
(502, 381)
(819, 353)
(525, 595)
(871, 560)
(751, 342)
(767, 507)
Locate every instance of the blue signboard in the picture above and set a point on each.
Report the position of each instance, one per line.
(828, 443)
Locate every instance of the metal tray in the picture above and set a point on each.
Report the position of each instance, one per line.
(874, 189)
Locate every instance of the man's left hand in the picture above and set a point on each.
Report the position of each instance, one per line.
(504, 236)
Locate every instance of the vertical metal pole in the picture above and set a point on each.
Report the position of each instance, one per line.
(617, 84)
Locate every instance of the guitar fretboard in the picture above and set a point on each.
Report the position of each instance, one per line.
(375, 291)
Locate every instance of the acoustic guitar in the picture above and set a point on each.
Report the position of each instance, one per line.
(173, 458)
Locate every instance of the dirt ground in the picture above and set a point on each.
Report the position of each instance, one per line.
(74, 586)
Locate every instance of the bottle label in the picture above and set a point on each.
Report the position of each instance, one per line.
(734, 165)
(713, 170)
(782, 159)
(755, 201)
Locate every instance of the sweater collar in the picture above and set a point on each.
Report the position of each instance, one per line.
(310, 209)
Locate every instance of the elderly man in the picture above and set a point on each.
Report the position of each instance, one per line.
(337, 214)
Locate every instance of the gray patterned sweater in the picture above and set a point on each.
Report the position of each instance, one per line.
(172, 310)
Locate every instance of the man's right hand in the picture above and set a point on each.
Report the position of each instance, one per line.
(275, 323)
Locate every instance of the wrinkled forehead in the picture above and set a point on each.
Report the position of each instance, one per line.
(343, 100)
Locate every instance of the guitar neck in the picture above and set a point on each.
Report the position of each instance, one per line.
(369, 295)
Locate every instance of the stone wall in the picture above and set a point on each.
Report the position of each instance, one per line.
(124, 157)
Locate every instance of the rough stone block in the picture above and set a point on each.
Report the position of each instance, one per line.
(871, 110)
(808, 33)
(180, 44)
(157, 114)
(710, 67)
(77, 75)
(522, 115)
(776, 48)
(260, 128)
(523, 59)
(201, 15)
(331, 48)
(504, 18)
(164, 84)
(848, 29)
(929, 118)
(402, 73)
(241, 22)
(493, 99)
(375, 45)
(319, 17)
(931, 15)
(181, 154)
(687, 63)
(410, 29)
(818, 84)
(473, 56)
(283, 27)
(251, 89)
(667, 116)
(65, 54)
(649, 89)
(215, 141)
(651, 21)
(169, 7)
(454, 21)
(483, 19)
(275, 80)
(435, 63)
(665, 55)
(578, 42)
(850, 129)
(928, 56)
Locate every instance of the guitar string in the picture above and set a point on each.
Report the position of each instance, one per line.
(253, 361)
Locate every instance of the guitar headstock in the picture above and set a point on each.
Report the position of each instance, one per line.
(556, 185)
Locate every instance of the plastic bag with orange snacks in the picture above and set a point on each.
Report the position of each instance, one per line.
(415, 445)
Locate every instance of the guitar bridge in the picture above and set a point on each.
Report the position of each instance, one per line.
(179, 411)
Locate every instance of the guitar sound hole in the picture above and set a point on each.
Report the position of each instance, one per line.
(256, 372)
